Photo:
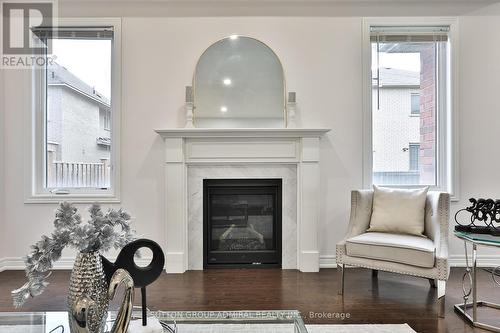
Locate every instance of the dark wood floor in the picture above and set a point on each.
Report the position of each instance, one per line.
(389, 299)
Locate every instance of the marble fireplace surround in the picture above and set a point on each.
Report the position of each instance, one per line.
(194, 154)
(286, 172)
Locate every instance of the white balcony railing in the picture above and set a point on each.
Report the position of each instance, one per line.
(78, 174)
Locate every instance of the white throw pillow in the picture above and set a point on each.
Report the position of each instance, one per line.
(398, 211)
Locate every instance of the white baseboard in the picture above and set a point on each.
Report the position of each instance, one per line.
(325, 261)
(2, 264)
(485, 260)
(309, 261)
(65, 263)
(175, 261)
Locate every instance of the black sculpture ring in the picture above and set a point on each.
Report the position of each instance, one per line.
(142, 276)
(471, 217)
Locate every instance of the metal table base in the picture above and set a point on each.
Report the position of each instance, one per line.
(459, 308)
(471, 273)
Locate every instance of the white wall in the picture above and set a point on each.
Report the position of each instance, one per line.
(322, 60)
(479, 115)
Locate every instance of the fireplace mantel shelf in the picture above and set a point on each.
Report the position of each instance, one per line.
(242, 132)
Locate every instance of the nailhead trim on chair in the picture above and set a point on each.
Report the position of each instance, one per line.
(441, 263)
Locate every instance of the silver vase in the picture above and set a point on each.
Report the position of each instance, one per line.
(89, 281)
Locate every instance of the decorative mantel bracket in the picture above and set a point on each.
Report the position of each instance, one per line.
(240, 146)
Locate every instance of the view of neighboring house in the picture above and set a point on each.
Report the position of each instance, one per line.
(78, 131)
(404, 114)
(396, 123)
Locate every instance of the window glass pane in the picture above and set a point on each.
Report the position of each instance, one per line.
(405, 77)
(78, 113)
(414, 156)
(415, 104)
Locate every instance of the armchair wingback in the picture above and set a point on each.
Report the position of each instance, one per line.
(436, 246)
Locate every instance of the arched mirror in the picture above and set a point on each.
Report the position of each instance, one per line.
(239, 83)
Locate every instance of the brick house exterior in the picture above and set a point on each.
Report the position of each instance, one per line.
(395, 128)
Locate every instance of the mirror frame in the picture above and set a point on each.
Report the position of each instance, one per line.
(285, 119)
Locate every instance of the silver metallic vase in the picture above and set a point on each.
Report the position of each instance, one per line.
(88, 281)
(89, 296)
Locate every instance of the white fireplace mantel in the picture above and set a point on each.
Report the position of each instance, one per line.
(186, 147)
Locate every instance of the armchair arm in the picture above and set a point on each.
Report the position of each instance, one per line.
(361, 212)
(437, 214)
(359, 221)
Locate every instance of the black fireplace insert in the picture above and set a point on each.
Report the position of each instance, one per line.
(241, 223)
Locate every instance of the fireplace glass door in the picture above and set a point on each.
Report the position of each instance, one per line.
(242, 222)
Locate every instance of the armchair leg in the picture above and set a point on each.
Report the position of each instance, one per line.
(441, 292)
(432, 283)
(374, 273)
(340, 269)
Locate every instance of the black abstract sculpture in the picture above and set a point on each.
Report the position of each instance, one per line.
(484, 213)
(142, 276)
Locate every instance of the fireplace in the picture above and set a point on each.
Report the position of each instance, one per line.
(242, 223)
(195, 154)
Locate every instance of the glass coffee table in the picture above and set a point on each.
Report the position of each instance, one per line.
(280, 321)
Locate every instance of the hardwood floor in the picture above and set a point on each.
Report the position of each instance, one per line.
(390, 298)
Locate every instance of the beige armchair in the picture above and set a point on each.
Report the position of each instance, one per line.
(425, 257)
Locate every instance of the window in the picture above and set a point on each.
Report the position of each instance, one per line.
(105, 118)
(75, 107)
(414, 151)
(410, 69)
(415, 104)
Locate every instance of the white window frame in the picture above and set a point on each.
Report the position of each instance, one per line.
(447, 159)
(35, 191)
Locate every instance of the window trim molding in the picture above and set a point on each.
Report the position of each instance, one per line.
(448, 175)
(34, 155)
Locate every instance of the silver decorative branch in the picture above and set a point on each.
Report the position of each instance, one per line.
(101, 233)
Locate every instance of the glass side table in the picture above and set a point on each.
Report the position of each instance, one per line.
(471, 275)
(279, 321)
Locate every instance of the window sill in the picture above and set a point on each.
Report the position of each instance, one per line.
(72, 198)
